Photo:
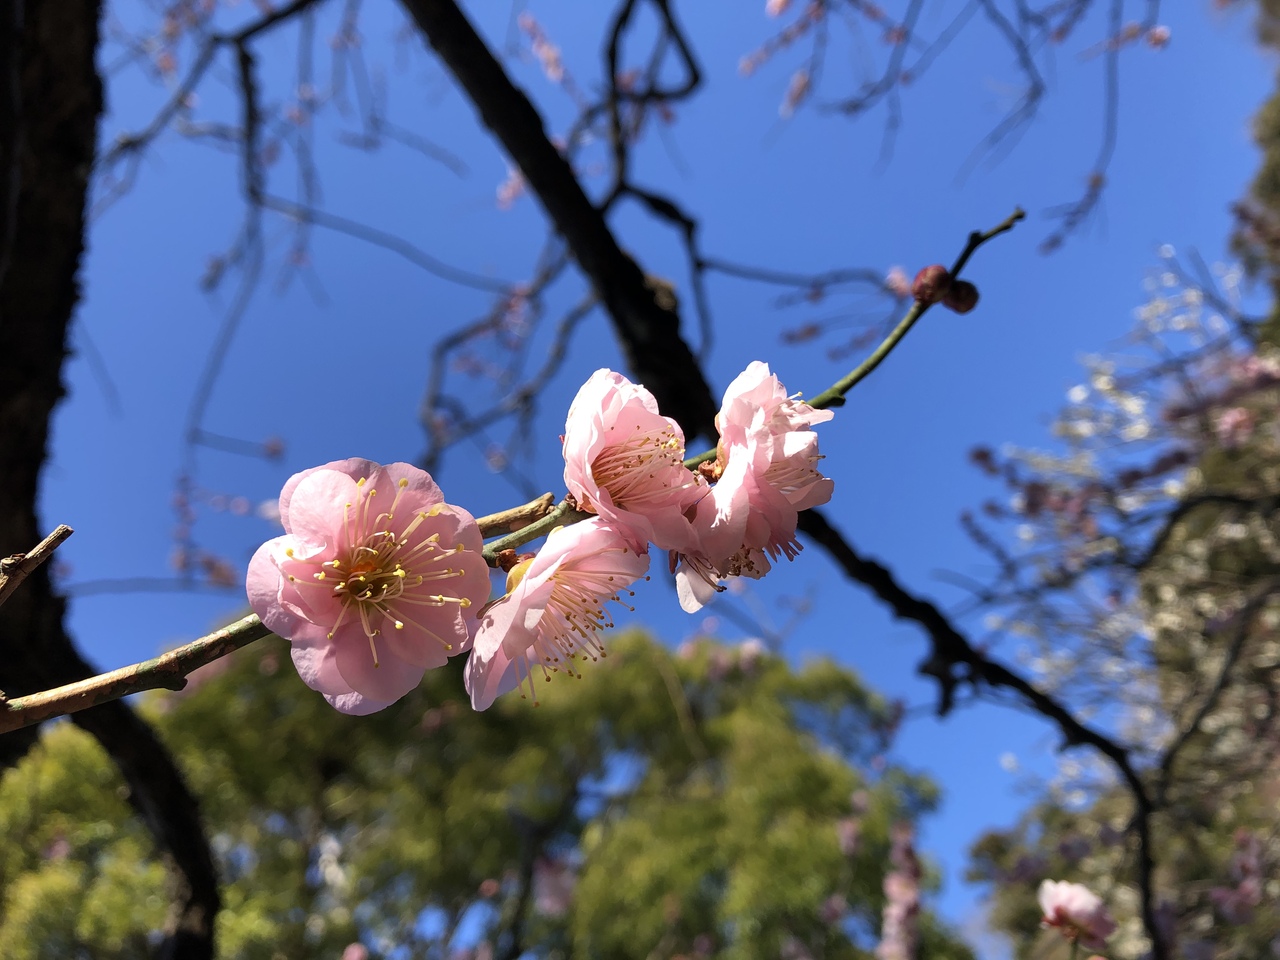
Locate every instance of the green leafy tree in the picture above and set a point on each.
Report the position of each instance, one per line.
(712, 803)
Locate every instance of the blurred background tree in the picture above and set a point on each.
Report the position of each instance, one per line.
(1157, 553)
(717, 803)
(711, 802)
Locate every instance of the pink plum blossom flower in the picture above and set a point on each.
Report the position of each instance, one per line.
(372, 581)
(553, 884)
(1077, 911)
(552, 611)
(625, 462)
(899, 927)
(766, 456)
(1234, 426)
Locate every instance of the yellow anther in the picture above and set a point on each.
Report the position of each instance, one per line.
(289, 552)
(360, 482)
(435, 510)
(402, 483)
(464, 602)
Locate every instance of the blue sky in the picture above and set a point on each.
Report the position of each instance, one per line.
(343, 375)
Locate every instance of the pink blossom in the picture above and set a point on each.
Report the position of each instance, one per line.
(899, 928)
(511, 189)
(1234, 426)
(797, 90)
(371, 582)
(776, 8)
(1077, 911)
(766, 456)
(553, 883)
(897, 282)
(625, 462)
(848, 835)
(552, 610)
(750, 653)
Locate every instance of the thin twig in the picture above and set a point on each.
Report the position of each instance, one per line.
(15, 569)
(834, 396)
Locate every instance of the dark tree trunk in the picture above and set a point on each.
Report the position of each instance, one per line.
(50, 101)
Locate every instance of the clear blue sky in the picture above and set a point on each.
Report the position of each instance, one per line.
(343, 377)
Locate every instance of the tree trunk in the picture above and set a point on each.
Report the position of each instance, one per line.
(50, 101)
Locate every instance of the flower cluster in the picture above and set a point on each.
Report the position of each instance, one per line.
(625, 463)
(766, 474)
(377, 578)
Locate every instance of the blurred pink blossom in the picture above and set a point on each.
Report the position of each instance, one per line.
(750, 653)
(548, 53)
(899, 936)
(552, 610)
(553, 883)
(1236, 904)
(1234, 426)
(1077, 911)
(797, 90)
(511, 189)
(372, 581)
(897, 282)
(848, 835)
(776, 8)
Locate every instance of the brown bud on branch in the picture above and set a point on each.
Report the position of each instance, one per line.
(962, 297)
(931, 284)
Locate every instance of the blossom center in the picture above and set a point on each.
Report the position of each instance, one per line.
(632, 471)
(380, 576)
(574, 614)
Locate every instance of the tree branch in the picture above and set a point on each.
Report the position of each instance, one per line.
(649, 333)
(953, 660)
(15, 569)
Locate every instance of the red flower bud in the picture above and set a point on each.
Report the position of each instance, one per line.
(962, 297)
(931, 284)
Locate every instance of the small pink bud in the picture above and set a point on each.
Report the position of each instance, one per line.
(931, 284)
(962, 297)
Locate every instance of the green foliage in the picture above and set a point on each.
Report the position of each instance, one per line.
(684, 804)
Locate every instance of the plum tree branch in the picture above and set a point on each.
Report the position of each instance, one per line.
(649, 333)
(953, 660)
(15, 569)
(170, 670)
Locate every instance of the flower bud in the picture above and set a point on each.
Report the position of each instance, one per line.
(962, 297)
(931, 284)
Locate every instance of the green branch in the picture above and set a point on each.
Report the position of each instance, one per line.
(525, 523)
(834, 396)
(168, 671)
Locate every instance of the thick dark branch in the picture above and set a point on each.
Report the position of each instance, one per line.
(650, 336)
(953, 660)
